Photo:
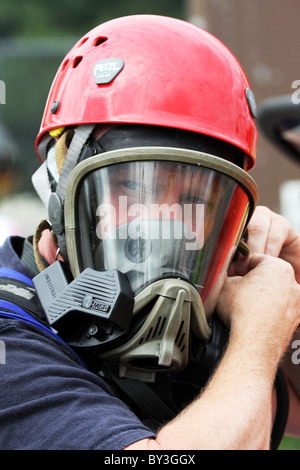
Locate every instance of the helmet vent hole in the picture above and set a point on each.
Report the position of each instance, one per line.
(82, 41)
(77, 61)
(64, 65)
(100, 40)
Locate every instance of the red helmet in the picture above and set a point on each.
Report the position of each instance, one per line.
(137, 70)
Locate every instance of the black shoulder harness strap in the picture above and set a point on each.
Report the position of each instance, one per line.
(21, 294)
(17, 289)
(142, 396)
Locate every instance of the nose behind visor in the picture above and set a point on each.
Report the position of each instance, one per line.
(155, 213)
(150, 250)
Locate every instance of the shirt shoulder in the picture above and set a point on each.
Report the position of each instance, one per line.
(49, 400)
(10, 255)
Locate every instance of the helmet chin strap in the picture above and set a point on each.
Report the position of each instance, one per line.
(66, 159)
(56, 210)
(80, 137)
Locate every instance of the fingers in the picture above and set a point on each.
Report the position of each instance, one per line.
(263, 295)
(272, 234)
(243, 265)
(267, 232)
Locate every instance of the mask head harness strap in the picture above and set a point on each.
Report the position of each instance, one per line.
(65, 166)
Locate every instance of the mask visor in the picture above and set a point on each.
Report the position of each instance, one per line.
(158, 213)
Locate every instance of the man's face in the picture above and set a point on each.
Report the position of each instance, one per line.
(140, 191)
(160, 217)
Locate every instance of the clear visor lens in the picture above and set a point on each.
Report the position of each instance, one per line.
(160, 219)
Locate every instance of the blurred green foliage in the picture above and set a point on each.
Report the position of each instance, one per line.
(289, 443)
(41, 18)
(35, 35)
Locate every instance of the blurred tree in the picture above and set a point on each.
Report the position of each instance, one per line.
(35, 35)
(38, 18)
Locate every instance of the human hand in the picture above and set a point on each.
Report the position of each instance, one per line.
(261, 303)
(272, 234)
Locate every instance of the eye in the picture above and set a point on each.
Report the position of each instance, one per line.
(193, 200)
(130, 184)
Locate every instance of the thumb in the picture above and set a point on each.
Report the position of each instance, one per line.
(242, 266)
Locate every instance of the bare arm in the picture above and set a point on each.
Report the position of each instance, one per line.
(272, 234)
(234, 411)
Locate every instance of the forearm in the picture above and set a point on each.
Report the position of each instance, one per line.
(234, 411)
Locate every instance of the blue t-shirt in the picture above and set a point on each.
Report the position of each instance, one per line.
(48, 399)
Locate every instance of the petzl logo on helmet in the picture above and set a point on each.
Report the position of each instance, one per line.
(106, 70)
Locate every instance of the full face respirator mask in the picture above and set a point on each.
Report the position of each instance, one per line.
(150, 233)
